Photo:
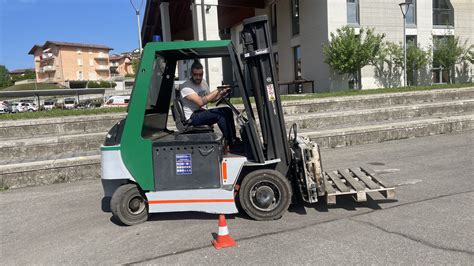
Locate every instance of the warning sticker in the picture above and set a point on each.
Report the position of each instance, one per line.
(271, 92)
(184, 164)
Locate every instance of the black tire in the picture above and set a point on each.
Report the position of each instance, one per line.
(265, 195)
(129, 205)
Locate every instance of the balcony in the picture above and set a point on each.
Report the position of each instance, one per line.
(102, 68)
(101, 56)
(48, 69)
(47, 56)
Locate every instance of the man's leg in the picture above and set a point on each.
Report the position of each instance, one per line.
(213, 116)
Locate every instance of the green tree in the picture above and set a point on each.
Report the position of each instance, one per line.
(27, 75)
(388, 65)
(449, 51)
(417, 59)
(135, 65)
(5, 79)
(347, 52)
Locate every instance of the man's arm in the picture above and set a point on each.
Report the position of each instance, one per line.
(211, 97)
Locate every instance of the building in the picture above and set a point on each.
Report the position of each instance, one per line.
(300, 28)
(71, 64)
(120, 66)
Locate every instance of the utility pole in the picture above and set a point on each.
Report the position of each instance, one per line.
(137, 13)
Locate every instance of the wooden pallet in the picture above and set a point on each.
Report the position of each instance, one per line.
(357, 182)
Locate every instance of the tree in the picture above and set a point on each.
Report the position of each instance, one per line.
(135, 65)
(27, 75)
(417, 59)
(348, 52)
(447, 52)
(5, 79)
(388, 64)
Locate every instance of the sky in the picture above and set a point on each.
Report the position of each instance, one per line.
(24, 23)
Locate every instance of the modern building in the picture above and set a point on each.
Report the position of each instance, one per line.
(300, 28)
(71, 64)
(120, 66)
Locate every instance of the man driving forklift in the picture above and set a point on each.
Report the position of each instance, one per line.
(195, 95)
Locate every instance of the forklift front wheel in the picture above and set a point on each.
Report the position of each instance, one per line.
(265, 194)
(129, 205)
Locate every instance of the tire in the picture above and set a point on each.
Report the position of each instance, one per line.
(265, 195)
(129, 205)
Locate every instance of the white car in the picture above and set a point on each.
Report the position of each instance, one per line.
(49, 105)
(70, 103)
(26, 107)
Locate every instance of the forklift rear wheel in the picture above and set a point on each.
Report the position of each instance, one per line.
(129, 205)
(265, 194)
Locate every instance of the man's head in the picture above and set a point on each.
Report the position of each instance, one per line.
(197, 72)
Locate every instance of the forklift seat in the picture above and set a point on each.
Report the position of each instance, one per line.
(183, 124)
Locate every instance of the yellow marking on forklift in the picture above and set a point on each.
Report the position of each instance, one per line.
(190, 201)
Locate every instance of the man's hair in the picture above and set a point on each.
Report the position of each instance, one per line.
(196, 65)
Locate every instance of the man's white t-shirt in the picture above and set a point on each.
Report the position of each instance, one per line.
(188, 88)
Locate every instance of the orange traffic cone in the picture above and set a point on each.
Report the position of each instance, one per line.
(223, 240)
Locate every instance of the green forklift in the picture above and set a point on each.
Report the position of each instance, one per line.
(149, 168)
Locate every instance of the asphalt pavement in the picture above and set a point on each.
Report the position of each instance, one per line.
(430, 222)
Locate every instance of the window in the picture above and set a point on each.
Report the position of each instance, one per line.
(443, 13)
(295, 16)
(353, 12)
(273, 17)
(297, 63)
(411, 14)
(79, 51)
(79, 75)
(79, 62)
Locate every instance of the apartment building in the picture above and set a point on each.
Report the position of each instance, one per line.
(70, 64)
(299, 28)
(120, 65)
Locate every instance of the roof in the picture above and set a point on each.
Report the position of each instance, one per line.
(115, 57)
(72, 44)
(21, 71)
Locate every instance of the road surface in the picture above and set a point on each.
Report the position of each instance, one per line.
(430, 222)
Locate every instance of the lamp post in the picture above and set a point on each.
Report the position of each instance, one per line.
(404, 7)
(137, 12)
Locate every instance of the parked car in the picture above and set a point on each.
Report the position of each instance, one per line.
(49, 104)
(70, 103)
(5, 107)
(15, 107)
(117, 101)
(26, 107)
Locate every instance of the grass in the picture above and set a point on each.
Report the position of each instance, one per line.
(306, 96)
(293, 97)
(31, 86)
(60, 113)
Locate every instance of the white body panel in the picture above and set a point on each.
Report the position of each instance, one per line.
(202, 200)
(112, 166)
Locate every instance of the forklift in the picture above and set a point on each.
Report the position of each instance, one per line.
(148, 168)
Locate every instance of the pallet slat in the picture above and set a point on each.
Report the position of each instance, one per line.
(338, 182)
(371, 184)
(377, 177)
(354, 183)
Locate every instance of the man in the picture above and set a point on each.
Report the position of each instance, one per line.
(195, 95)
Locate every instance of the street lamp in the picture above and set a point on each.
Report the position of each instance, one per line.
(137, 12)
(404, 7)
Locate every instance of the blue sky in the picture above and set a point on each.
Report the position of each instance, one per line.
(24, 23)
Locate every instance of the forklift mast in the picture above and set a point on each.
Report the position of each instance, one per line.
(260, 66)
